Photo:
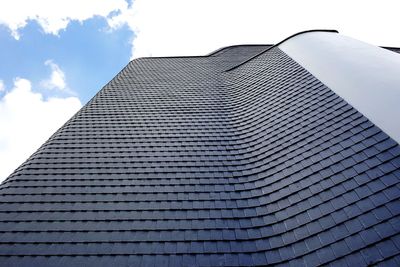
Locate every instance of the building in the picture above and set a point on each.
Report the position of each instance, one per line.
(251, 155)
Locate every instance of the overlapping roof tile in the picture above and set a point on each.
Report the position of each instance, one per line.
(179, 162)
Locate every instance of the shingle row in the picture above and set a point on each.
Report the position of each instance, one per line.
(182, 162)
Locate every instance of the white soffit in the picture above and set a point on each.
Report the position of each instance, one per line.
(366, 76)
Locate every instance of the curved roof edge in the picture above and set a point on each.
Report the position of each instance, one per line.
(364, 75)
(234, 46)
(284, 40)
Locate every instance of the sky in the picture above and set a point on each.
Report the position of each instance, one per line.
(57, 54)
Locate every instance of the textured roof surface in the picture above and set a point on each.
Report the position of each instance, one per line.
(178, 162)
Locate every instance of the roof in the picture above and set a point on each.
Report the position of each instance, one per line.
(192, 161)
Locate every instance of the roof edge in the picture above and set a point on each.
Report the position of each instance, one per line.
(233, 46)
(202, 56)
(275, 45)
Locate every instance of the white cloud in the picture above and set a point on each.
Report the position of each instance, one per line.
(185, 27)
(52, 15)
(57, 77)
(194, 27)
(27, 120)
(2, 87)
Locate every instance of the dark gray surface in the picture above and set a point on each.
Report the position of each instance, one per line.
(179, 163)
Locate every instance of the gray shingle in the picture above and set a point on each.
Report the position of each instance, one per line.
(180, 162)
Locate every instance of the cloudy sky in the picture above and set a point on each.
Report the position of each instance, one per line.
(56, 54)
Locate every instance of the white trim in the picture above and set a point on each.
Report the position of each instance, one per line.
(366, 76)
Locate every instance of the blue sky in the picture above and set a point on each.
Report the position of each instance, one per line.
(56, 54)
(88, 53)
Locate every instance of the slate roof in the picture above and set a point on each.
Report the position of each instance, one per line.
(179, 162)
